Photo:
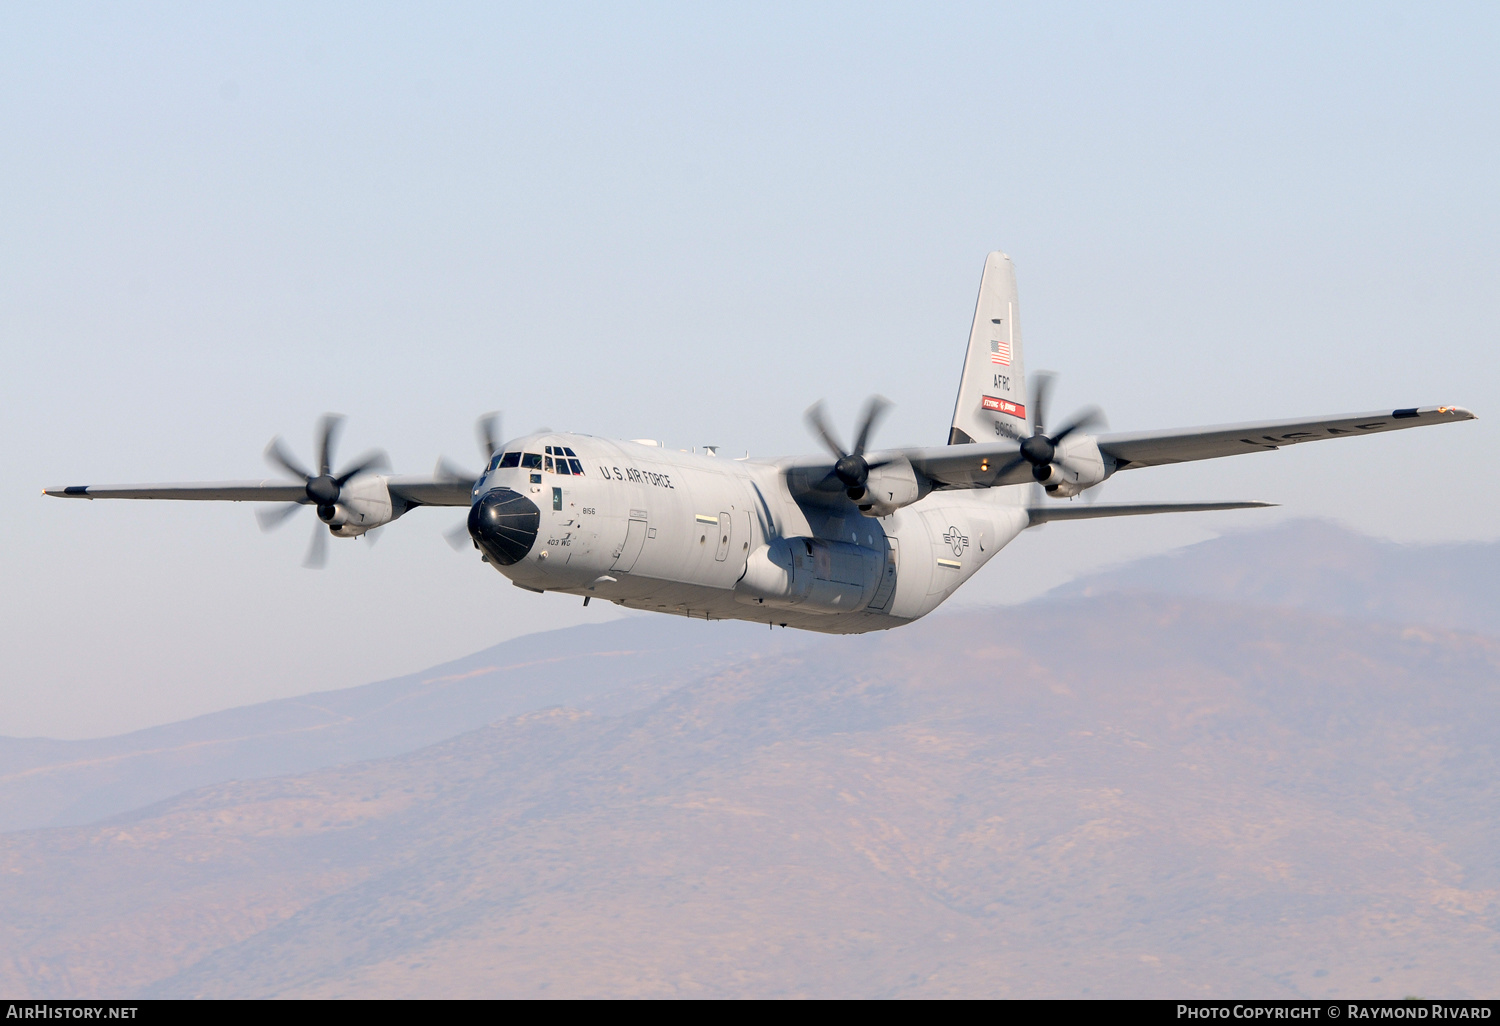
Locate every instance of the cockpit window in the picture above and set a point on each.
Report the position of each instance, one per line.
(554, 462)
(510, 459)
(494, 462)
(570, 452)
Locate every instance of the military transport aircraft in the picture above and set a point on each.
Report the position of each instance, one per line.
(856, 540)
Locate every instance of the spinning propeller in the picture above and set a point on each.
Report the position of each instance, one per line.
(487, 430)
(1040, 450)
(852, 469)
(323, 488)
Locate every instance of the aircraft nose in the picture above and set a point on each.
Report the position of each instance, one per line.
(504, 524)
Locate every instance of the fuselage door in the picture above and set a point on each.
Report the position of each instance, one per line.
(635, 537)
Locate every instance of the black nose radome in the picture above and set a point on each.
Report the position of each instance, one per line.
(504, 524)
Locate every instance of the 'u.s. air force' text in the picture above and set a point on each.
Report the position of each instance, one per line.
(649, 477)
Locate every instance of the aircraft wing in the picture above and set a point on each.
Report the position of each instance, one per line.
(974, 465)
(274, 490)
(413, 491)
(979, 465)
(432, 491)
(1154, 448)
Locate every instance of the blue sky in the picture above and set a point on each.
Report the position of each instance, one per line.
(689, 222)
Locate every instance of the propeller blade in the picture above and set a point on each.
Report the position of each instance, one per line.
(369, 461)
(819, 424)
(488, 428)
(276, 455)
(458, 537)
(1081, 421)
(328, 428)
(450, 472)
(317, 552)
(275, 516)
(874, 410)
(1041, 386)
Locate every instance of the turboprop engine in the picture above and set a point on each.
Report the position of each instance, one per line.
(891, 486)
(1076, 466)
(1067, 461)
(877, 486)
(350, 503)
(364, 504)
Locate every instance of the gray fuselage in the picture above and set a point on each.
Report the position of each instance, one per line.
(699, 535)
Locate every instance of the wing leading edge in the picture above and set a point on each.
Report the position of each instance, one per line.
(412, 491)
(1182, 445)
(223, 491)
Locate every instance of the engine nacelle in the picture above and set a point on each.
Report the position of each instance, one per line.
(364, 504)
(891, 486)
(810, 574)
(1077, 466)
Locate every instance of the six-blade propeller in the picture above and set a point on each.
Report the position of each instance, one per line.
(1040, 450)
(322, 489)
(852, 469)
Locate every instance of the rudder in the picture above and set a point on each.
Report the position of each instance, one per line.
(992, 394)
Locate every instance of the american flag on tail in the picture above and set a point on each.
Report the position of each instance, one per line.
(1000, 353)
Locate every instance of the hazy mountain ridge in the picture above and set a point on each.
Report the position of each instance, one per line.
(1105, 795)
(1306, 564)
(45, 782)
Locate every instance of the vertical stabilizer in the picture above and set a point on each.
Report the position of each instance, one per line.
(992, 395)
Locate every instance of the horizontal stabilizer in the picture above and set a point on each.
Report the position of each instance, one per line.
(1046, 514)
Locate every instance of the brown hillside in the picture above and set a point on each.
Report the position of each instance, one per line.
(1112, 797)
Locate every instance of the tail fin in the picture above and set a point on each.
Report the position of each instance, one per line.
(992, 395)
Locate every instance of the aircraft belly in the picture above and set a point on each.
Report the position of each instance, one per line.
(710, 604)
